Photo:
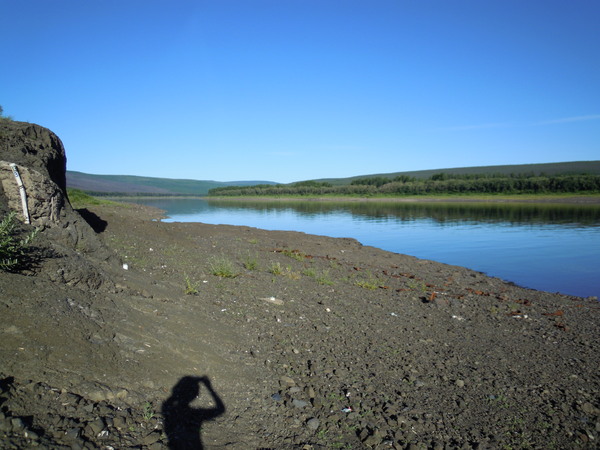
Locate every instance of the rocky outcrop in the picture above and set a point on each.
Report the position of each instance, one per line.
(38, 156)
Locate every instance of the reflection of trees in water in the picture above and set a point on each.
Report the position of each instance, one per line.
(183, 423)
(515, 213)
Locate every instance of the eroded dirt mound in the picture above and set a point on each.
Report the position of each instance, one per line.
(287, 340)
(32, 185)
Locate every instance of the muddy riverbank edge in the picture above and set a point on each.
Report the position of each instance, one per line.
(289, 340)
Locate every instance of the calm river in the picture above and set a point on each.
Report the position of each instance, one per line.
(553, 248)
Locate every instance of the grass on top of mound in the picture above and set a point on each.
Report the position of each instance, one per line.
(80, 199)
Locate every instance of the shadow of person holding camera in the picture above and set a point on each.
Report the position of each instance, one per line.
(183, 423)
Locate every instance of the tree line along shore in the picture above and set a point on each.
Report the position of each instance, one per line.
(438, 184)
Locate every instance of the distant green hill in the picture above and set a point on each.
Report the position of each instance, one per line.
(135, 185)
(561, 168)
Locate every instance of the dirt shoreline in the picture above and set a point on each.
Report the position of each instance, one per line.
(291, 341)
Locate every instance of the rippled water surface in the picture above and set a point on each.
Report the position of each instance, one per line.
(548, 247)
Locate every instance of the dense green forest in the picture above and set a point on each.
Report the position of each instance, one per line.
(440, 183)
(546, 169)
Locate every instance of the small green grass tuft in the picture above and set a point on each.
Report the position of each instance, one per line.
(310, 272)
(191, 288)
(322, 433)
(276, 269)
(223, 268)
(148, 411)
(294, 254)
(370, 282)
(324, 278)
(291, 274)
(365, 284)
(13, 251)
(251, 262)
(417, 285)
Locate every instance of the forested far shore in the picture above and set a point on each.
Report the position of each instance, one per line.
(442, 183)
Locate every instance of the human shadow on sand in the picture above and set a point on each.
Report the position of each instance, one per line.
(183, 422)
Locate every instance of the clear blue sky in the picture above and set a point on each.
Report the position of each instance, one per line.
(289, 90)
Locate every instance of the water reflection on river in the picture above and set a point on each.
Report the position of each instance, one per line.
(542, 246)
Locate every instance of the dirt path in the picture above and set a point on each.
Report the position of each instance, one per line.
(287, 340)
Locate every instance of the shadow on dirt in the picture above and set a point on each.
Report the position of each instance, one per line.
(183, 422)
(97, 224)
(5, 384)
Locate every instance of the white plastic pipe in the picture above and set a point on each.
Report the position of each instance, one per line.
(21, 191)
